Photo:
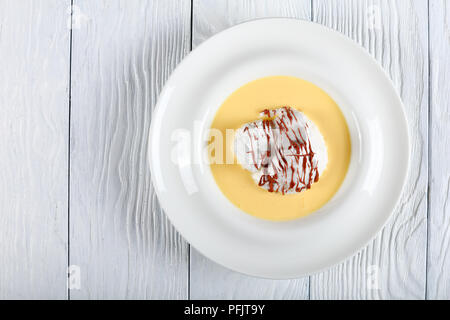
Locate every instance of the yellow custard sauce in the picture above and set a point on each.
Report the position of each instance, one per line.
(243, 106)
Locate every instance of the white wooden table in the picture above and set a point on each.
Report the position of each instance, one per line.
(76, 99)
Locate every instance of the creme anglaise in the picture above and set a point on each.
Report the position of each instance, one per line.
(315, 169)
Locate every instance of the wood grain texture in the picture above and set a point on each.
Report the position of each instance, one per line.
(123, 51)
(209, 280)
(395, 33)
(438, 284)
(34, 78)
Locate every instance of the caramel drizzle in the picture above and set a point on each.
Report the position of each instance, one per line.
(299, 144)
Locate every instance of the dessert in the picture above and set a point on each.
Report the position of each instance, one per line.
(284, 150)
(329, 148)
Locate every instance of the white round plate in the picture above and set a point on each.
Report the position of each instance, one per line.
(186, 188)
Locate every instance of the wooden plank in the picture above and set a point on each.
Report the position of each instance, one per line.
(34, 78)
(395, 33)
(123, 51)
(438, 282)
(209, 280)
